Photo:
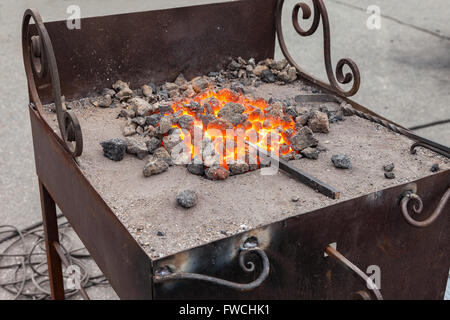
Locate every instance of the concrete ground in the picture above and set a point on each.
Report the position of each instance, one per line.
(405, 68)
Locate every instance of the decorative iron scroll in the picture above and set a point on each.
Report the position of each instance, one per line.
(40, 61)
(360, 295)
(335, 80)
(418, 207)
(247, 267)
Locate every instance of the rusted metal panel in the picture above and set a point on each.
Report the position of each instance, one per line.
(118, 255)
(50, 224)
(370, 230)
(157, 45)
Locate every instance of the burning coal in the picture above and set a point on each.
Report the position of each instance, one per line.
(210, 125)
(215, 126)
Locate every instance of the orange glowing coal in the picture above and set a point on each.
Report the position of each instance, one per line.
(226, 120)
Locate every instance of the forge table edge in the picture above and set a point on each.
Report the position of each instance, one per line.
(369, 230)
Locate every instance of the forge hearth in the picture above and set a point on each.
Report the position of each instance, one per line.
(106, 100)
(147, 204)
(209, 124)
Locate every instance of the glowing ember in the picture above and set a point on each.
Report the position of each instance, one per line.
(227, 120)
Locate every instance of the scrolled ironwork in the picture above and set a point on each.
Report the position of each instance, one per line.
(39, 60)
(335, 78)
(418, 208)
(246, 266)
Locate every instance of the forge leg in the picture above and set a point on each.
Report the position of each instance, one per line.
(51, 235)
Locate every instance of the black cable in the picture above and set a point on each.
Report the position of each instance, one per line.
(30, 227)
(25, 259)
(431, 124)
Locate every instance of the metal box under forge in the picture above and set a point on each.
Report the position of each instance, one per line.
(322, 254)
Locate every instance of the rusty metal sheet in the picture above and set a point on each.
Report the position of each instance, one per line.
(369, 230)
(118, 255)
(157, 45)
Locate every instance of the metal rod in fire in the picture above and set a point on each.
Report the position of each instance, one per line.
(300, 175)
